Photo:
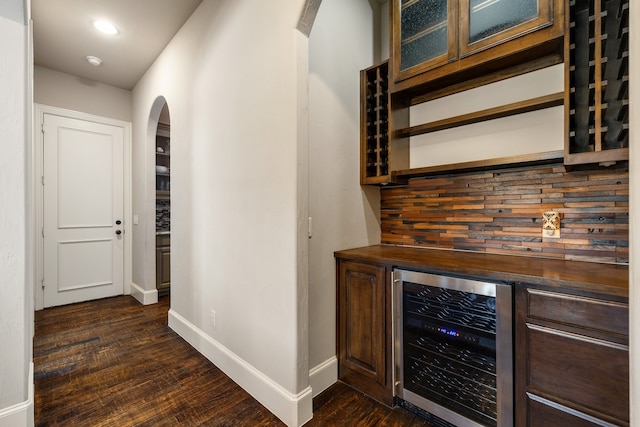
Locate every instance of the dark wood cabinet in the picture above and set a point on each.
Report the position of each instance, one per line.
(436, 43)
(439, 48)
(572, 359)
(363, 329)
(571, 328)
(163, 263)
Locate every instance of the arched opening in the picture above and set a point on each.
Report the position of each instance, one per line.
(162, 149)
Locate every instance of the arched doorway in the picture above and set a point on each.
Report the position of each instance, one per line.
(163, 202)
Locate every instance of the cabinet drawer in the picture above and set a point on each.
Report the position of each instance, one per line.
(163, 240)
(589, 313)
(544, 413)
(591, 374)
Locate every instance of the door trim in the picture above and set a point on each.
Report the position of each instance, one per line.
(39, 111)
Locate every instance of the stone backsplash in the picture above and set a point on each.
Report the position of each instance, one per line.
(500, 211)
(163, 214)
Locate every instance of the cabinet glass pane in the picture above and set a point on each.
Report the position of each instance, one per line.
(423, 27)
(490, 17)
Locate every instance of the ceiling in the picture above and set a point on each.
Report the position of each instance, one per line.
(63, 36)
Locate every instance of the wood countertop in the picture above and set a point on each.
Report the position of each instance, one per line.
(607, 279)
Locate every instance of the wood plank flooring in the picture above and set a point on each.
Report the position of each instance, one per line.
(114, 362)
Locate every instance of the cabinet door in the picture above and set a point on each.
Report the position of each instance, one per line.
(362, 329)
(485, 23)
(424, 35)
(163, 267)
(477, 38)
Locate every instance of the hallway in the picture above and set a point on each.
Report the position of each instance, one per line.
(113, 362)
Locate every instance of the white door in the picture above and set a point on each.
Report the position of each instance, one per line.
(83, 210)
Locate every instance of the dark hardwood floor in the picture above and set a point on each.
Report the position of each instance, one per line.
(114, 362)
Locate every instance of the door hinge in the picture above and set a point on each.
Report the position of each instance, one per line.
(42, 283)
(43, 234)
(42, 127)
(42, 179)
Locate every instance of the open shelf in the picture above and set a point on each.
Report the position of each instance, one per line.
(402, 176)
(526, 106)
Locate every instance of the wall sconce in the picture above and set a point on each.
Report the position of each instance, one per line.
(551, 225)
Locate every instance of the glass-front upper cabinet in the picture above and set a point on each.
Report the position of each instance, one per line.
(484, 23)
(426, 33)
(437, 39)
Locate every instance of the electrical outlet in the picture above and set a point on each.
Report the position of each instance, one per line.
(213, 319)
(551, 225)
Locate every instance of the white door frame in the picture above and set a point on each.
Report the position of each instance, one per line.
(40, 111)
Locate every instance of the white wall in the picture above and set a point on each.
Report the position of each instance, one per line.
(63, 90)
(16, 304)
(345, 215)
(383, 10)
(230, 79)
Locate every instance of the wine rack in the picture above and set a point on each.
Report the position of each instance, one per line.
(597, 73)
(374, 124)
(380, 154)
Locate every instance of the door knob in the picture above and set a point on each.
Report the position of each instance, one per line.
(118, 222)
(118, 232)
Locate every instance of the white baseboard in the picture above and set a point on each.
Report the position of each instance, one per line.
(293, 409)
(324, 375)
(143, 296)
(20, 415)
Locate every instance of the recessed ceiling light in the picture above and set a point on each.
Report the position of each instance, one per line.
(105, 27)
(94, 60)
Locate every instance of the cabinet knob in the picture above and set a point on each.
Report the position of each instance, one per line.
(118, 222)
(118, 232)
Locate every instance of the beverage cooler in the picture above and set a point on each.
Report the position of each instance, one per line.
(453, 348)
